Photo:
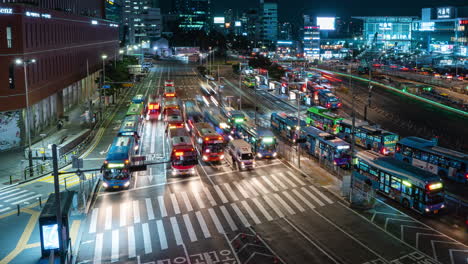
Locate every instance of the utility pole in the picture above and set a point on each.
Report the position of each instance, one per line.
(240, 85)
(57, 201)
(353, 132)
(369, 93)
(298, 130)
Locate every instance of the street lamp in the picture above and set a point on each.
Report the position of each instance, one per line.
(103, 57)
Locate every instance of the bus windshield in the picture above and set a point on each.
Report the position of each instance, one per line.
(116, 174)
(189, 158)
(434, 198)
(247, 156)
(214, 147)
(268, 147)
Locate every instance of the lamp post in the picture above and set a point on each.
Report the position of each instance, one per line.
(28, 117)
(103, 57)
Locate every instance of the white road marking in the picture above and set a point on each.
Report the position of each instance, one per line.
(98, 248)
(241, 189)
(270, 183)
(216, 221)
(4, 209)
(123, 214)
(149, 209)
(304, 200)
(16, 198)
(202, 223)
(220, 194)
(250, 187)
(284, 204)
(295, 178)
(321, 194)
(199, 200)
(273, 206)
(108, 223)
(187, 202)
(262, 209)
(293, 201)
(115, 246)
(260, 185)
(22, 191)
(161, 234)
(146, 238)
(136, 212)
(7, 192)
(286, 178)
(174, 203)
(131, 242)
(93, 223)
(188, 225)
(251, 212)
(312, 196)
(228, 217)
(210, 197)
(176, 230)
(240, 215)
(279, 182)
(231, 192)
(162, 206)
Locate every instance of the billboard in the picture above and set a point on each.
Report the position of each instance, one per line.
(237, 24)
(218, 20)
(326, 23)
(445, 12)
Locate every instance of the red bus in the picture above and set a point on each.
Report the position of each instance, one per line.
(174, 119)
(154, 108)
(210, 144)
(168, 83)
(184, 157)
(169, 92)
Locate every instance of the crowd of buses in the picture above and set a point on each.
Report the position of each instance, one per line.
(408, 170)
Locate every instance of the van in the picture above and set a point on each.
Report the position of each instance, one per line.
(241, 153)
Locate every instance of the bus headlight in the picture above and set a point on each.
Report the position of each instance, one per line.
(259, 155)
(127, 184)
(174, 172)
(205, 158)
(222, 156)
(275, 154)
(242, 164)
(427, 210)
(192, 171)
(442, 206)
(136, 147)
(105, 184)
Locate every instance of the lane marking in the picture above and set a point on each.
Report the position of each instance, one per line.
(131, 242)
(17, 197)
(286, 178)
(250, 187)
(115, 246)
(228, 217)
(216, 221)
(260, 185)
(162, 206)
(93, 223)
(161, 234)
(198, 199)
(176, 230)
(293, 201)
(284, 204)
(108, 223)
(251, 212)
(202, 223)
(188, 225)
(276, 179)
(262, 209)
(174, 203)
(231, 192)
(273, 206)
(296, 178)
(240, 215)
(312, 196)
(188, 205)
(270, 183)
(123, 214)
(304, 200)
(220, 194)
(98, 248)
(146, 238)
(241, 189)
(6, 192)
(149, 209)
(208, 194)
(321, 194)
(136, 212)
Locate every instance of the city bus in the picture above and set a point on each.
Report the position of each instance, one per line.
(234, 117)
(286, 126)
(325, 146)
(414, 188)
(174, 119)
(170, 104)
(168, 83)
(219, 123)
(154, 108)
(425, 154)
(192, 114)
(136, 110)
(210, 144)
(322, 118)
(169, 92)
(369, 137)
(130, 127)
(183, 154)
(328, 100)
(139, 99)
(249, 81)
(116, 173)
(262, 140)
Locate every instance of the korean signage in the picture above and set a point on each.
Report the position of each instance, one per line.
(444, 12)
(385, 26)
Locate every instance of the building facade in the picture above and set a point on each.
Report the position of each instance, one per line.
(269, 9)
(142, 19)
(285, 31)
(193, 14)
(310, 39)
(63, 51)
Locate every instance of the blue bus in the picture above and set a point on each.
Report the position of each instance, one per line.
(130, 128)
(369, 137)
(328, 100)
(414, 188)
(192, 114)
(139, 99)
(219, 123)
(286, 125)
(116, 174)
(425, 154)
(326, 146)
(262, 140)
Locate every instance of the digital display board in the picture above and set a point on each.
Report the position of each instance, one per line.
(427, 26)
(218, 20)
(444, 12)
(237, 24)
(50, 236)
(326, 23)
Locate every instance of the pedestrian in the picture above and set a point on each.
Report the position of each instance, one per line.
(59, 124)
(233, 161)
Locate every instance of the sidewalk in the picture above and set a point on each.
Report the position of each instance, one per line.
(15, 161)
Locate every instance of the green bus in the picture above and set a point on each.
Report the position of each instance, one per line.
(321, 118)
(249, 81)
(135, 110)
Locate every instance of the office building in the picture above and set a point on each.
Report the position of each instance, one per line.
(285, 31)
(61, 52)
(310, 39)
(142, 20)
(269, 14)
(193, 14)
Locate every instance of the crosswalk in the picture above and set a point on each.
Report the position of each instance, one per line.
(151, 224)
(69, 179)
(10, 198)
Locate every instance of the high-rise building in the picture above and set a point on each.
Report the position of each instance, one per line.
(141, 17)
(114, 12)
(269, 14)
(285, 31)
(311, 39)
(193, 14)
(49, 62)
(252, 25)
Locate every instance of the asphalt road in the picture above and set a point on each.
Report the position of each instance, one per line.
(272, 214)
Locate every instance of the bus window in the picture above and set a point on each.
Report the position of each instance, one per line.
(407, 151)
(396, 184)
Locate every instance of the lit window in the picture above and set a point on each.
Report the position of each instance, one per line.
(9, 37)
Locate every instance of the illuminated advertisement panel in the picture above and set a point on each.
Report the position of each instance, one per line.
(326, 23)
